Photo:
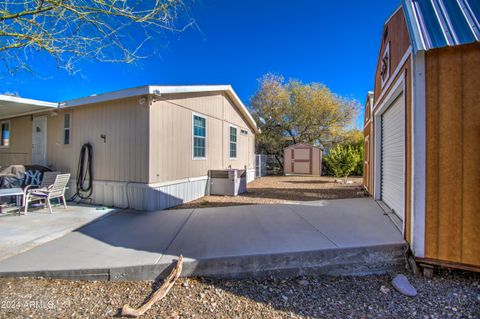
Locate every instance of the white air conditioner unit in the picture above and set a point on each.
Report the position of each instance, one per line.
(228, 182)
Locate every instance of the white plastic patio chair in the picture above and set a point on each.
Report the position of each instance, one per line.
(53, 186)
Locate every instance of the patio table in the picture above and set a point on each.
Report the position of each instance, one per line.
(17, 192)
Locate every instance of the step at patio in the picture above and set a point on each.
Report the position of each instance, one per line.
(335, 262)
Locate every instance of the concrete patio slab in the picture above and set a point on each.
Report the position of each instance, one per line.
(19, 233)
(128, 238)
(242, 231)
(337, 237)
(351, 222)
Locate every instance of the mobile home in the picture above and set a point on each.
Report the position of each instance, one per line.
(152, 145)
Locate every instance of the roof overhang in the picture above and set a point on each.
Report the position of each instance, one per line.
(440, 23)
(11, 106)
(161, 90)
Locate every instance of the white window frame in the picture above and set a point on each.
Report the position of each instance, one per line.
(197, 158)
(69, 129)
(9, 134)
(230, 142)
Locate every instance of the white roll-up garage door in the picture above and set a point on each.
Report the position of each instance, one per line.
(393, 157)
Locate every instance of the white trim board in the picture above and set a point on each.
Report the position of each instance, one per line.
(418, 189)
(393, 76)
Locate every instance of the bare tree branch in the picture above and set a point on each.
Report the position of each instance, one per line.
(73, 30)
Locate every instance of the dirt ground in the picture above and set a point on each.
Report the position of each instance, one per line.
(447, 295)
(284, 189)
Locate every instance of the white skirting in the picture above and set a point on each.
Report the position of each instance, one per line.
(150, 197)
(142, 196)
(250, 175)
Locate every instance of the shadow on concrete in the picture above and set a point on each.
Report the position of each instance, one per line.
(305, 194)
(309, 182)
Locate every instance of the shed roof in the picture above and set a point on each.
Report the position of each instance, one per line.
(441, 23)
(304, 145)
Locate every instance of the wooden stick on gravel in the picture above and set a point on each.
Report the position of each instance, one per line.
(157, 295)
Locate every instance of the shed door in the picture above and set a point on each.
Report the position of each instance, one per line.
(393, 156)
(302, 160)
(39, 140)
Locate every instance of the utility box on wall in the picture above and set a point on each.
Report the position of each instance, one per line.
(302, 159)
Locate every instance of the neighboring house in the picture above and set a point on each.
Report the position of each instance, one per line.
(426, 128)
(152, 146)
(302, 159)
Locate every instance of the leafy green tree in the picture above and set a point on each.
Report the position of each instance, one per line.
(290, 112)
(342, 160)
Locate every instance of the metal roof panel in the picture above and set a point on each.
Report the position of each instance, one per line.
(440, 23)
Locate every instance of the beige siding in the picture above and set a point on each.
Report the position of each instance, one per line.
(123, 155)
(171, 140)
(302, 159)
(121, 158)
(20, 149)
(317, 163)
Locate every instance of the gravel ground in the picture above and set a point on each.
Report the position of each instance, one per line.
(284, 189)
(447, 295)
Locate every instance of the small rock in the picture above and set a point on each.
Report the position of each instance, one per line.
(303, 282)
(285, 298)
(401, 283)
(384, 289)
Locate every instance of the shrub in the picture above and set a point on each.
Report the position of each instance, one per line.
(358, 147)
(342, 160)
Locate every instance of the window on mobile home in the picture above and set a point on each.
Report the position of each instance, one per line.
(233, 142)
(66, 128)
(199, 136)
(5, 139)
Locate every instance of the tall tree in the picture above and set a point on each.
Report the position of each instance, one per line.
(71, 30)
(293, 112)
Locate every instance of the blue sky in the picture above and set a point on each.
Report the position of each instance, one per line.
(334, 42)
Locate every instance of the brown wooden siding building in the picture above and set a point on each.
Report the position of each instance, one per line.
(422, 158)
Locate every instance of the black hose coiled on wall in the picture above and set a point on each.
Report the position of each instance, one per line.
(85, 173)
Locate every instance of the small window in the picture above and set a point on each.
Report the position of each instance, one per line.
(5, 133)
(385, 65)
(233, 142)
(67, 119)
(199, 136)
(243, 132)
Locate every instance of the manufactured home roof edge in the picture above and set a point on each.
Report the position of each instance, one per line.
(441, 23)
(163, 89)
(21, 100)
(12, 106)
